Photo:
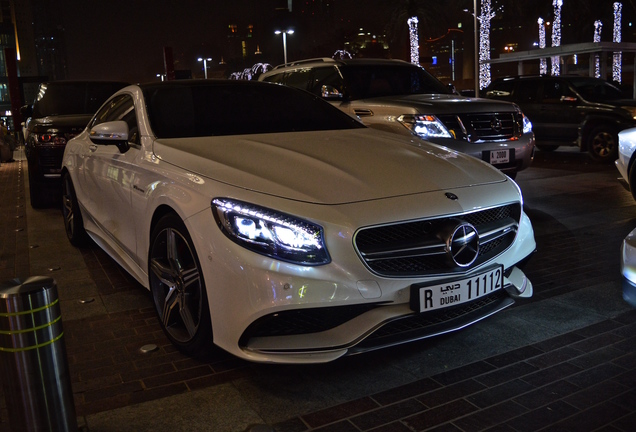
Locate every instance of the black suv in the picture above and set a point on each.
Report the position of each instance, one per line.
(60, 111)
(570, 110)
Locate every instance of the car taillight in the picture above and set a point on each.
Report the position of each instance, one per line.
(52, 139)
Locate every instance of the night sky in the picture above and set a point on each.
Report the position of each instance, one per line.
(124, 39)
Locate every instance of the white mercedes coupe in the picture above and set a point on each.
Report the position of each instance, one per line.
(269, 223)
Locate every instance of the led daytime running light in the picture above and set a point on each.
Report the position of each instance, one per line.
(271, 233)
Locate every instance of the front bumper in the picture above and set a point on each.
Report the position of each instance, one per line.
(628, 268)
(520, 152)
(45, 161)
(267, 311)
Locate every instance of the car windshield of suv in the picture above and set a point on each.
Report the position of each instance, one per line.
(369, 81)
(237, 108)
(73, 98)
(596, 90)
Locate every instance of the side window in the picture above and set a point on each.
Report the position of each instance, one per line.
(298, 78)
(553, 90)
(120, 107)
(278, 78)
(326, 81)
(526, 91)
(500, 90)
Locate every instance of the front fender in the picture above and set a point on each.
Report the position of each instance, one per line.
(153, 196)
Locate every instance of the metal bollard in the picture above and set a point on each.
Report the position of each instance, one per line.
(33, 364)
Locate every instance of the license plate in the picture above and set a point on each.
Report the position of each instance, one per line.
(460, 291)
(499, 156)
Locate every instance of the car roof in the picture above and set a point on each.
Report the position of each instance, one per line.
(565, 77)
(340, 62)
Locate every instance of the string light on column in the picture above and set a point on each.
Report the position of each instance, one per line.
(556, 36)
(618, 56)
(598, 27)
(543, 63)
(484, 43)
(414, 39)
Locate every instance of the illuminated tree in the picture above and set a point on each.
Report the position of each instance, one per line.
(432, 19)
(543, 64)
(598, 27)
(618, 56)
(484, 18)
(556, 36)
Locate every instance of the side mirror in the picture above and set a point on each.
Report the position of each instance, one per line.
(111, 133)
(330, 93)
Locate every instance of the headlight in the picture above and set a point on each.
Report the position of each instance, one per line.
(527, 124)
(271, 233)
(425, 126)
(631, 110)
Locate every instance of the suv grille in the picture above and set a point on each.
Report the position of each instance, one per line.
(418, 248)
(483, 127)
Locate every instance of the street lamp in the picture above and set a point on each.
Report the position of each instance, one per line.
(284, 33)
(205, 65)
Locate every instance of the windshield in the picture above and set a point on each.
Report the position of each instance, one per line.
(73, 97)
(217, 108)
(368, 81)
(596, 90)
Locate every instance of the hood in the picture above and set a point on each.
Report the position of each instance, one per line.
(441, 103)
(329, 167)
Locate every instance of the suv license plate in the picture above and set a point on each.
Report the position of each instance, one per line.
(455, 292)
(499, 156)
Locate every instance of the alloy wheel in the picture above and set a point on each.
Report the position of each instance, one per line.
(603, 145)
(176, 285)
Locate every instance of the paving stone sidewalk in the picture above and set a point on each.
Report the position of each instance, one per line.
(579, 376)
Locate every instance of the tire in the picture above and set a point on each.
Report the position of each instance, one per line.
(546, 148)
(73, 222)
(177, 287)
(602, 144)
(632, 179)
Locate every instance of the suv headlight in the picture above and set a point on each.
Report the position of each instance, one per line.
(631, 110)
(425, 126)
(271, 233)
(527, 124)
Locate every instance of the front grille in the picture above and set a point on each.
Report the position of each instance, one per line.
(418, 248)
(304, 321)
(400, 330)
(423, 325)
(50, 157)
(483, 127)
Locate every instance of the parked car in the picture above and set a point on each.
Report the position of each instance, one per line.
(268, 222)
(628, 268)
(626, 158)
(570, 110)
(60, 111)
(403, 98)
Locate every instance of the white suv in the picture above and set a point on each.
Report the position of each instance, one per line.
(400, 97)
